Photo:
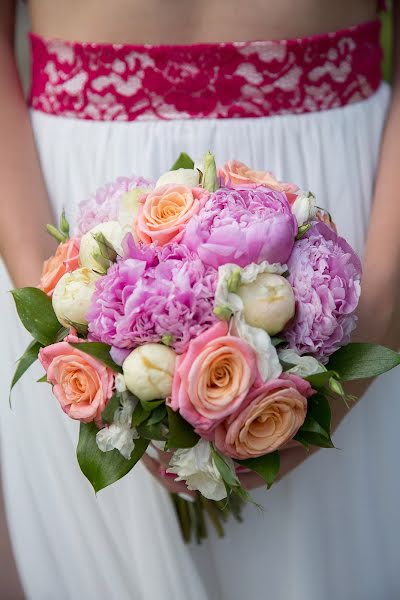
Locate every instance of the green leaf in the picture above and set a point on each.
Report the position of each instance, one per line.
(139, 415)
(266, 466)
(277, 340)
(360, 361)
(228, 475)
(309, 438)
(104, 468)
(181, 434)
(157, 415)
(43, 379)
(157, 431)
(210, 179)
(27, 359)
(100, 351)
(56, 233)
(320, 380)
(36, 312)
(150, 405)
(64, 225)
(108, 413)
(320, 410)
(183, 162)
(317, 425)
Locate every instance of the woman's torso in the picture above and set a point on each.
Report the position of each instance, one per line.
(183, 22)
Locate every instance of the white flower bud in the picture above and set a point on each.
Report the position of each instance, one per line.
(268, 302)
(304, 208)
(149, 370)
(72, 295)
(89, 252)
(303, 366)
(188, 177)
(129, 208)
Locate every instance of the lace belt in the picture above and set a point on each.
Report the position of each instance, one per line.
(123, 82)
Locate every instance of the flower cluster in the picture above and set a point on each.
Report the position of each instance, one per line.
(218, 293)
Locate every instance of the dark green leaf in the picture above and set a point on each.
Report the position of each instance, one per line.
(61, 334)
(313, 439)
(320, 410)
(181, 434)
(157, 415)
(43, 379)
(157, 431)
(320, 380)
(36, 313)
(183, 162)
(100, 351)
(108, 413)
(27, 359)
(104, 468)
(150, 405)
(266, 466)
(228, 475)
(139, 415)
(277, 340)
(360, 361)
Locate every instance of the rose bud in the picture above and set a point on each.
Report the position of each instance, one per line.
(96, 252)
(72, 295)
(268, 302)
(149, 370)
(188, 177)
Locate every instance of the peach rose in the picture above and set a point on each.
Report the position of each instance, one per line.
(237, 174)
(65, 260)
(213, 378)
(81, 384)
(274, 412)
(165, 211)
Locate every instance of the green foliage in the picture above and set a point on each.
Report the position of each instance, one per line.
(36, 312)
(183, 162)
(316, 428)
(107, 415)
(181, 434)
(27, 359)
(210, 179)
(104, 468)
(100, 351)
(360, 361)
(266, 466)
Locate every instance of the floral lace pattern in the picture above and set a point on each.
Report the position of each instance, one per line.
(223, 80)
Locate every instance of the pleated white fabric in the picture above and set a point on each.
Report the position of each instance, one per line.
(330, 530)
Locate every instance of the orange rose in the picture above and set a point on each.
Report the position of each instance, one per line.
(273, 415)
(237, 174)
(65, 260)
(165, 212)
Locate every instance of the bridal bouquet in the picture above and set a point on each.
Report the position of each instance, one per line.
(207, 315)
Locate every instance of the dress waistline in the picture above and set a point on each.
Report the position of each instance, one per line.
(123, 82)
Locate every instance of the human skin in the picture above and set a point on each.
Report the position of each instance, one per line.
(25, 204)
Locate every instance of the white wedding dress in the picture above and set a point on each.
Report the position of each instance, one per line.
(330, 530)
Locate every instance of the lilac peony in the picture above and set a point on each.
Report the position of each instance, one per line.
(325, 275)
(153, 294)
(243, 226)
(103, 205)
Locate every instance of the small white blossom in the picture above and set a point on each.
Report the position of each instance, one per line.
(304, 207)
(119, 435)
(303, 366)
(89, 251)
(196, 466)
(188, 177)
(72, 296)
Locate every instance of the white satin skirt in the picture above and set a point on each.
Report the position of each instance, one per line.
(330, 530)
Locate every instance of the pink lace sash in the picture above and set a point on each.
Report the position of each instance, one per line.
(106, 82)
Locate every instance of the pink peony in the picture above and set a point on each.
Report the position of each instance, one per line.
(103, 205)
(273, 414)
(153, 294)
(213, 378)
(81, 384)
(243, 226)
(324, 272)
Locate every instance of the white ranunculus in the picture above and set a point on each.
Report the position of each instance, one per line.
(196, 467)
(304, 207)
(188, 177)
(89, 251)
(72, 295)
(303, 366)
(268, 363)
(119, 435)
(129, 208)
(149, 370)
(268, 302)
(231, 277)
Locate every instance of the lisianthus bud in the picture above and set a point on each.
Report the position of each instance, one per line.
(149, 370)
(304, 208)
(72, 295)
(188, 177)
(98, 256)
(268, 302)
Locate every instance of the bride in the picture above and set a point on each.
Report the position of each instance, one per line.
(311, 108)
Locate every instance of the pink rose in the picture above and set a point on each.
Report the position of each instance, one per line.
(65, 260)
(165, 211)
(273, 414)
(213, 378)
(81, 384)
(237, 174)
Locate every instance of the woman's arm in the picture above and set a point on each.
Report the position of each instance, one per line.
(24, 202)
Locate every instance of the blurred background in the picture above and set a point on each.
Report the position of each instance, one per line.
(9, 589)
